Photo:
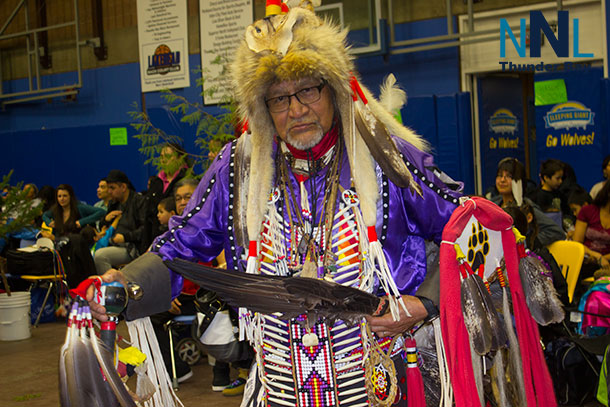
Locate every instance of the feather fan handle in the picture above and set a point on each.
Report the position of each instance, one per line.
(104, 358)
(385, 276)
(391, 96)
(64, 370)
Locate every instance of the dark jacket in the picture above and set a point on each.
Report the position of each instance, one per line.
(153, 196)
(131, 224)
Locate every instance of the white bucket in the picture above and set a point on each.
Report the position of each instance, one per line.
(15, 316)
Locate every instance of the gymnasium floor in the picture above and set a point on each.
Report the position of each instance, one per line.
(29, 376)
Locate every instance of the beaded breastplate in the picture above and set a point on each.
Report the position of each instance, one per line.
(317, 364)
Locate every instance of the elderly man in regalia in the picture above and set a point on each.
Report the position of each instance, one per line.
(325, 184)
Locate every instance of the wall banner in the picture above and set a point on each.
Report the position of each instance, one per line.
(223, 24)
(163, 44)
(572, 131)
(501, 124)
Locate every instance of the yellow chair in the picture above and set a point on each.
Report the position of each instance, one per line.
(569, 256)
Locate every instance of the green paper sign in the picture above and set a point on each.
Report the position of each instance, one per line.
(398, 116)
(118, 136)
(550, 92)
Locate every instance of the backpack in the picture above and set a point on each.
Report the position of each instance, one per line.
(574, 371)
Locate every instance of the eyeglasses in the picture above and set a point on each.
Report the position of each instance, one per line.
(305, 96)
(181, 198)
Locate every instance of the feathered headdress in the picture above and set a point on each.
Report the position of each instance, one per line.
(297, 45)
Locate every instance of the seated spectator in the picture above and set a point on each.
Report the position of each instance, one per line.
(606, 173)
(509, 184)
(593, 230)
(75, 251)
(577, 200)
(173, 163)
(32, 191)
(68, 215)
(547, 195)
(165, 210)
(184, 190)
(102, 238)
(528, 186)
(47, 196)
(126, 243)
(102, 195)
(104, 199)
(185, 302)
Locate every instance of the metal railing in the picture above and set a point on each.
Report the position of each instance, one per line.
(35, 90)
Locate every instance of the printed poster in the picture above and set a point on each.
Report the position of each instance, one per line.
(223, 24)
(163, 44)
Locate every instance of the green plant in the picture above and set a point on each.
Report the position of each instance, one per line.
(212, 131)
(16, 210)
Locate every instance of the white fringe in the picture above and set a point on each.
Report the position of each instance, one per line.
(386, 280)
(143, 337)
(245, 317)
(443, 368)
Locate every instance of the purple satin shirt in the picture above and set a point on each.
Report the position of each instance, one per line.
(405, 220)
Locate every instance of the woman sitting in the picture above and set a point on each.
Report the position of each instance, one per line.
(68, 215)
(593, 230)
(509, 184)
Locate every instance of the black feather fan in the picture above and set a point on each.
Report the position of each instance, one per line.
(291, 296)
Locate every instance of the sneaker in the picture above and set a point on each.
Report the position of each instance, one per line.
(219, 387)
(236, 388)
(185, 376)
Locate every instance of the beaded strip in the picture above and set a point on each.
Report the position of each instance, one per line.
(385, 199)
(427, 182)
(314, 367)
(230, 229)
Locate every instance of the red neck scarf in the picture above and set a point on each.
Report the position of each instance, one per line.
(327, 142)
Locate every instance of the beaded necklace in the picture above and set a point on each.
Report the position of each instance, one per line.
(316, 257)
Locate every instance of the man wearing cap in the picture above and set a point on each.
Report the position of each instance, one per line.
(317, 189)
(129, 205)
